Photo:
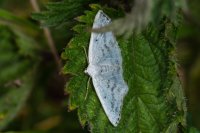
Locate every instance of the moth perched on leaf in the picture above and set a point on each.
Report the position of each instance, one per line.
(105, 68)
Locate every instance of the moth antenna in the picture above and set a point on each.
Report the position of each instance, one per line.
(88, 82)
(86, 54)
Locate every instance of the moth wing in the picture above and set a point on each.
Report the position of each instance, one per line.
(103, 45)
(109, 86)
(111, 92)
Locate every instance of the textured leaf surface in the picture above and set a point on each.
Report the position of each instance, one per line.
(59, 13)
(145, 12)
(155, 101)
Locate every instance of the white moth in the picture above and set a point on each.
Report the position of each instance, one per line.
(105, 68)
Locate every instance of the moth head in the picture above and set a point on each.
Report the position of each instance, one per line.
(91, 70)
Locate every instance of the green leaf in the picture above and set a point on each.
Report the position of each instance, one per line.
(17, 24)
(17, 65)
(193, 130)
(155, 101)
(143, 13)
(59, 13)
(13, 100)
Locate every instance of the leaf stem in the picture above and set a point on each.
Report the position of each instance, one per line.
(88, 83)
(48, 37)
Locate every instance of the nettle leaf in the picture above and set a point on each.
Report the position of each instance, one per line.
(17, 66)
(144, 12)
(59, 13)
(155, 101)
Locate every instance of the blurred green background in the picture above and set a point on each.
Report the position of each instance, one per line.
(30, 76)
(43, 104)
